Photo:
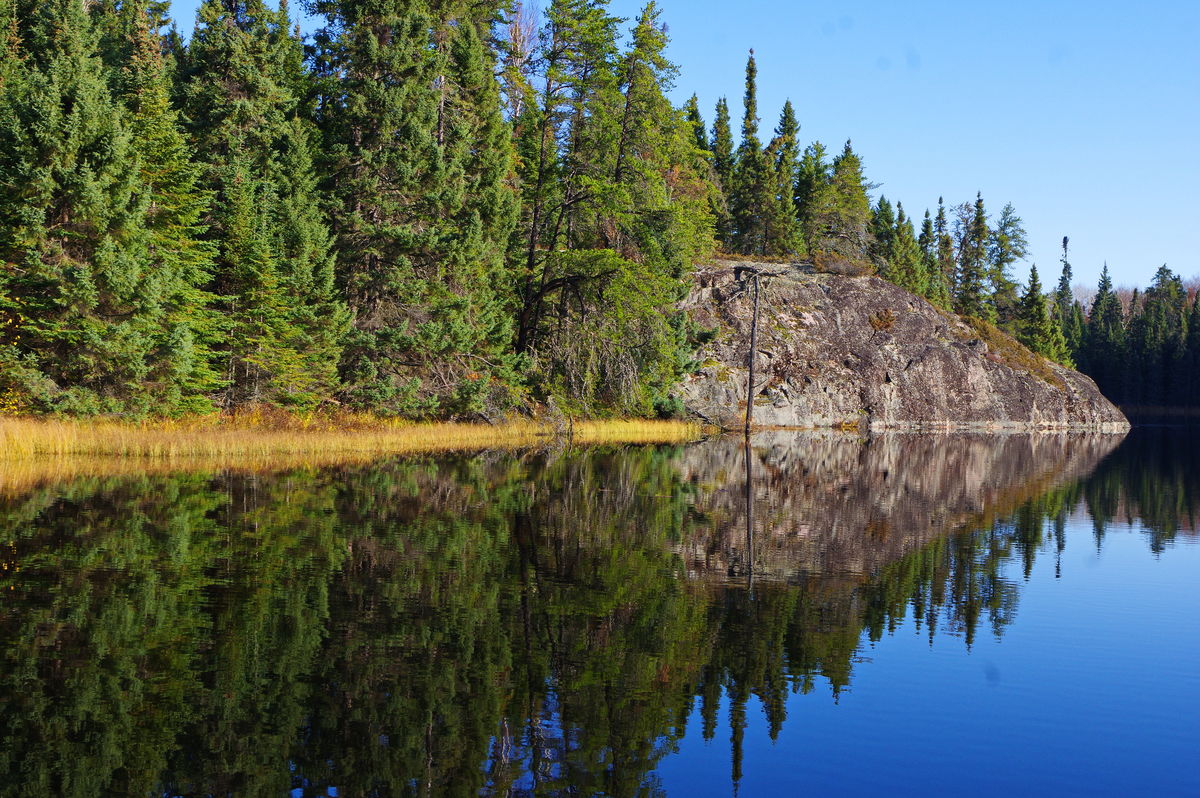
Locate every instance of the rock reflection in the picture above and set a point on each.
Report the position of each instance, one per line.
(501, 624)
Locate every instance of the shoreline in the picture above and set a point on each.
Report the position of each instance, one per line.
(23, 439)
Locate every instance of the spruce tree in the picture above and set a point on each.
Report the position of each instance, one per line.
(84, 311)
(782, 224)
(944, 244)
(906, 264)
(883, 233)
(694, 118)
(937, 288)
(1007, 245)
(181, 260)
(1035, 327)
(753, 191)
(1106, 343)
(410, 146)
(841, 216)
(812, 190)
(722, 160)
(242, 88)
(972, 289)
(1064, 302)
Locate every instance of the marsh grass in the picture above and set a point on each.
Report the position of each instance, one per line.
(256, 436)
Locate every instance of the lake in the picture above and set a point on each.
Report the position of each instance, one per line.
(814, 613)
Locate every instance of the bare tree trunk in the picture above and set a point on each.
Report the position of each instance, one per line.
(753, 349)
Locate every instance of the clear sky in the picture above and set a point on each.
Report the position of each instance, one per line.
(1085, 114)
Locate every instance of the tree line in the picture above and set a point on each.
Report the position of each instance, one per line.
(373, 218)
(427, 208)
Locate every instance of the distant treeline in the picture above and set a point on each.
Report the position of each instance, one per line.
(426, 208)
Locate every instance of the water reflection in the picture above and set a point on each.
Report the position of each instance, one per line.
(516, 625)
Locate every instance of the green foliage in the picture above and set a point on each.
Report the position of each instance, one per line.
(971, 297)
(1007, 245)
(242, 84)
(1037, 329)
(95, 320)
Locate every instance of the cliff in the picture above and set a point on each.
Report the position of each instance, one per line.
(835, 350)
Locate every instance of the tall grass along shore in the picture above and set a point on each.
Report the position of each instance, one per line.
(226, 437)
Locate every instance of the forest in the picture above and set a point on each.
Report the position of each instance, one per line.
(443, 209)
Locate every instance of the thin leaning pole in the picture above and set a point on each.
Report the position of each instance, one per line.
(753, 349)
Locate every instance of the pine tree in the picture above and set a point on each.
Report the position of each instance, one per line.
(1035, 327)
(782, 223)
(1007, 245)
(82, 315)
(619, 209)
(972, 297)
(751, 197)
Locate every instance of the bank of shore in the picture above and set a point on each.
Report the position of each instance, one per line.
(252, 437)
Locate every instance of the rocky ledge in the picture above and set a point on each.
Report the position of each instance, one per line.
(836, 351)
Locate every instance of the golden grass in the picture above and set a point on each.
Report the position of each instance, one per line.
(36, 452)
(226, 437)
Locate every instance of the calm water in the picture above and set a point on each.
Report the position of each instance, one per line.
(909, 615)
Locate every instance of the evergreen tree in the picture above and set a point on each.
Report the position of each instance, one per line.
(1035, 328)
(883, 233)
(181, 260)
(88, 324)
(906, 265)
(410, 118)
(1007, 245)
(1158, 340)
(972, 297)
(944, 245)
(812, 190)
(619, 207)
(699, 131)
(782, 223)
(1106, 348)
(242, 88)
(937, 288)
(752, 195)
(723, 160)
(841, 216)
(1063, 304)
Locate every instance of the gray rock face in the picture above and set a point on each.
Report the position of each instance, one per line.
(858, 351)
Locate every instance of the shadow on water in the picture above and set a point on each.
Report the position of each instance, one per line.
(505, 624)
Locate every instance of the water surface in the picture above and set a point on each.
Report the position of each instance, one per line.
(817, 613)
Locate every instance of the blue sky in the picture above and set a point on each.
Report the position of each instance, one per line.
(1085, 115)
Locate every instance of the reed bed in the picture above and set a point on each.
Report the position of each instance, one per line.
(222, 438)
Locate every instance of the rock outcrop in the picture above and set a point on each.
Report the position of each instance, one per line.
(858, 351)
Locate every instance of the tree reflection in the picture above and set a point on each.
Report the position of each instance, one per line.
(515, 625)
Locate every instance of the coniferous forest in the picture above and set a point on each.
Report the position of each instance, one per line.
(442, 208)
